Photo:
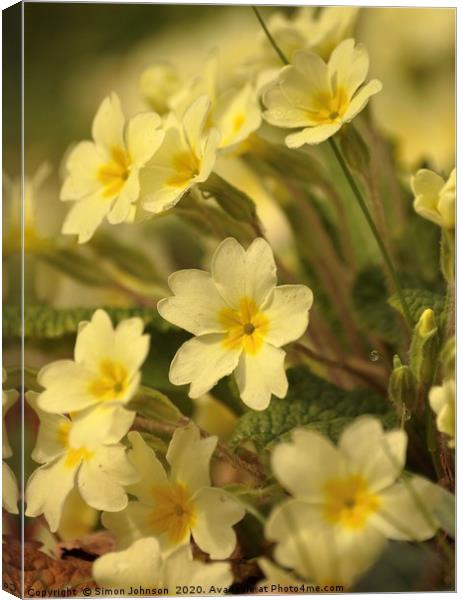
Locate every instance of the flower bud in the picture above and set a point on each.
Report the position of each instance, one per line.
(402, 386)
(424, 347)
(354, 149)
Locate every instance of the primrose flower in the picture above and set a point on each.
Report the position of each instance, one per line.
(10, 494)
(144, 566)
(434, 198)
(75, 453)
(348, 498)
(240, 320)
(443, 402)
(103, 175)
(234, 111)
(319, 98)
(186, 157)
(159, 83)
(175, 506)
(305, 30)
(105, 370)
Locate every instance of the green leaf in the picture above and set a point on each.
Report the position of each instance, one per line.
(128, 258)
(77, 266)
(445, 512)
(312, 403)
(418, 300)
(370, 302)
(155, 442)
(45, 322)
(232, 200)
(153, 404)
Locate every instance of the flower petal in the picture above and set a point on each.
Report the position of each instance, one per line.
(242, 274)
(82, 166)
(66, 384)
(359, 101)
(217, 512)
(348, 66)
(144, 137)
(180, 570)
(85, 216)
(377, 455)
(305, 464)
(189, 456)
(260, 375)
(47, 490)
(188, 363)
(101, 478)
(10, 492)
(312, 135)
(405, 512)
(139, 565)
(108, 124)
(147, 465)
(288, 313)
(196, 305)
(128, 195)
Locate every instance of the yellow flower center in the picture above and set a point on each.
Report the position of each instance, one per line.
(73, 455)
(246, 327)
(112, 381)
(185, 167)
(349, 502)
(329, 107)
(174, 512)
(114, 173)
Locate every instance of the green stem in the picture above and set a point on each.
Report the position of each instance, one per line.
(280, 53)
(375, 232)
(356, 191)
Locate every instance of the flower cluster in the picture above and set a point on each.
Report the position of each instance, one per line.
(221, 421)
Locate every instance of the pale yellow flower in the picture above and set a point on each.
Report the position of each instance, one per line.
(103, 175)
(10, 493)
(347, 501)
(26, 216)
(304, 30)
(319, 98)
(240, 320)
(158, 84)
(105, 370)
(77, 453)
(182, 504)
(434, 198)
(234, 109)
(186, 157)
(144, 566)
(443, 402)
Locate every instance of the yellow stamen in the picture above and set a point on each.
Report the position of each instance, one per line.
(349, 502)
(186, 166)
(246, 327)
(328, 107)
(174, 513)
(112, 381)
(73, 455)
(114, 174)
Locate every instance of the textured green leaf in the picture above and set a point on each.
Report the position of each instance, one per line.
(44, 322)
(370, 302)
(128, 258)
(418, 300)
(313, 403)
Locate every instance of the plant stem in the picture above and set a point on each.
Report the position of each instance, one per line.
(362, 204)
(356, 191)
(280, 53)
